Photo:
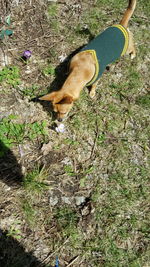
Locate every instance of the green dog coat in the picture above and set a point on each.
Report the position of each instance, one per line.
(106, 48)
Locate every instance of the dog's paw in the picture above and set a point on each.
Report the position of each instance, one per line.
(132, 55)
(92, 94)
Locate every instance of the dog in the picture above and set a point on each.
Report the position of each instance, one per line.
(87, 66)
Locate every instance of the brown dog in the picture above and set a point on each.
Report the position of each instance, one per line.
(87, 66)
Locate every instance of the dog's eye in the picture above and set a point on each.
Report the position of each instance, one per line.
(62, 113)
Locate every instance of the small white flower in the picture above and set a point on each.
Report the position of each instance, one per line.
(62, 57)
(60, 128)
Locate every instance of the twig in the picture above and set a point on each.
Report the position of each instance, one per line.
(50, 255)
(74, 259)
(95, 141)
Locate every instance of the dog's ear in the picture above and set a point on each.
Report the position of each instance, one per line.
(67, 99)
(55, 97)
(48, 97)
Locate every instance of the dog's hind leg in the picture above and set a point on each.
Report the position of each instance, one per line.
(131, 47)
(93, 89)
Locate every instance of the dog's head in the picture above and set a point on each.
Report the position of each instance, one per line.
(62, 103)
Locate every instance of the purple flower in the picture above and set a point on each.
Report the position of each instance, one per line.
(27, 54)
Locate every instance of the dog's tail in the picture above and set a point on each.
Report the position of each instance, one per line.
(128, 13)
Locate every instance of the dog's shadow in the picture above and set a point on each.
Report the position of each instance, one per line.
(10, 169)
(12, 253)
(61, 74)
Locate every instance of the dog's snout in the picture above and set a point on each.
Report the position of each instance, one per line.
(60, 119)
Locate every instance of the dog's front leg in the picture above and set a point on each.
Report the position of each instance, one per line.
(93, 89)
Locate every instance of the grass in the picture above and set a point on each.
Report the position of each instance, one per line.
(107, 147)
(34, 187)
(29, 212)
(144, 101)
(53, 15)
(49, 70)
(15, 133)
(34, 181)
(67, 219)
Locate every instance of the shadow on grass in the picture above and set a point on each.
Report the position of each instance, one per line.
(12, 254)
(10, 170)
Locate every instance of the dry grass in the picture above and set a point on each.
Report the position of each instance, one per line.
(82, 195)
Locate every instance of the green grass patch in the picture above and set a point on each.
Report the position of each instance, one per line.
(34, 181)
(144, 101)
(53, 10)
(49, 70)
(10, 75)
(53, 15)
(29, 211)
(67, 219)
(13, 133)
(30, 91)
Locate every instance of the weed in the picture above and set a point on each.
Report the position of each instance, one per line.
(49, 70)
(83, 181)
(13, 231)
(11, 132)
(101, 139)
(10, 75)
(77, 123)
(68, 169)
(71, 142)
(34, 181)
(30, 91)
(37, 129)
(134, 79)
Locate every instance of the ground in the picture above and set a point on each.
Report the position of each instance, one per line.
(81, 195)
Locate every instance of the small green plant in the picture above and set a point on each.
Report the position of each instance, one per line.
(34, 181)
(30, 91)
(49, 70)
(14, 231)
(71, 142)
(101, 139)
(4, 31)
(84, 174)
(68, 169)
(10, 75)
(37, 129)
(11, 132)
